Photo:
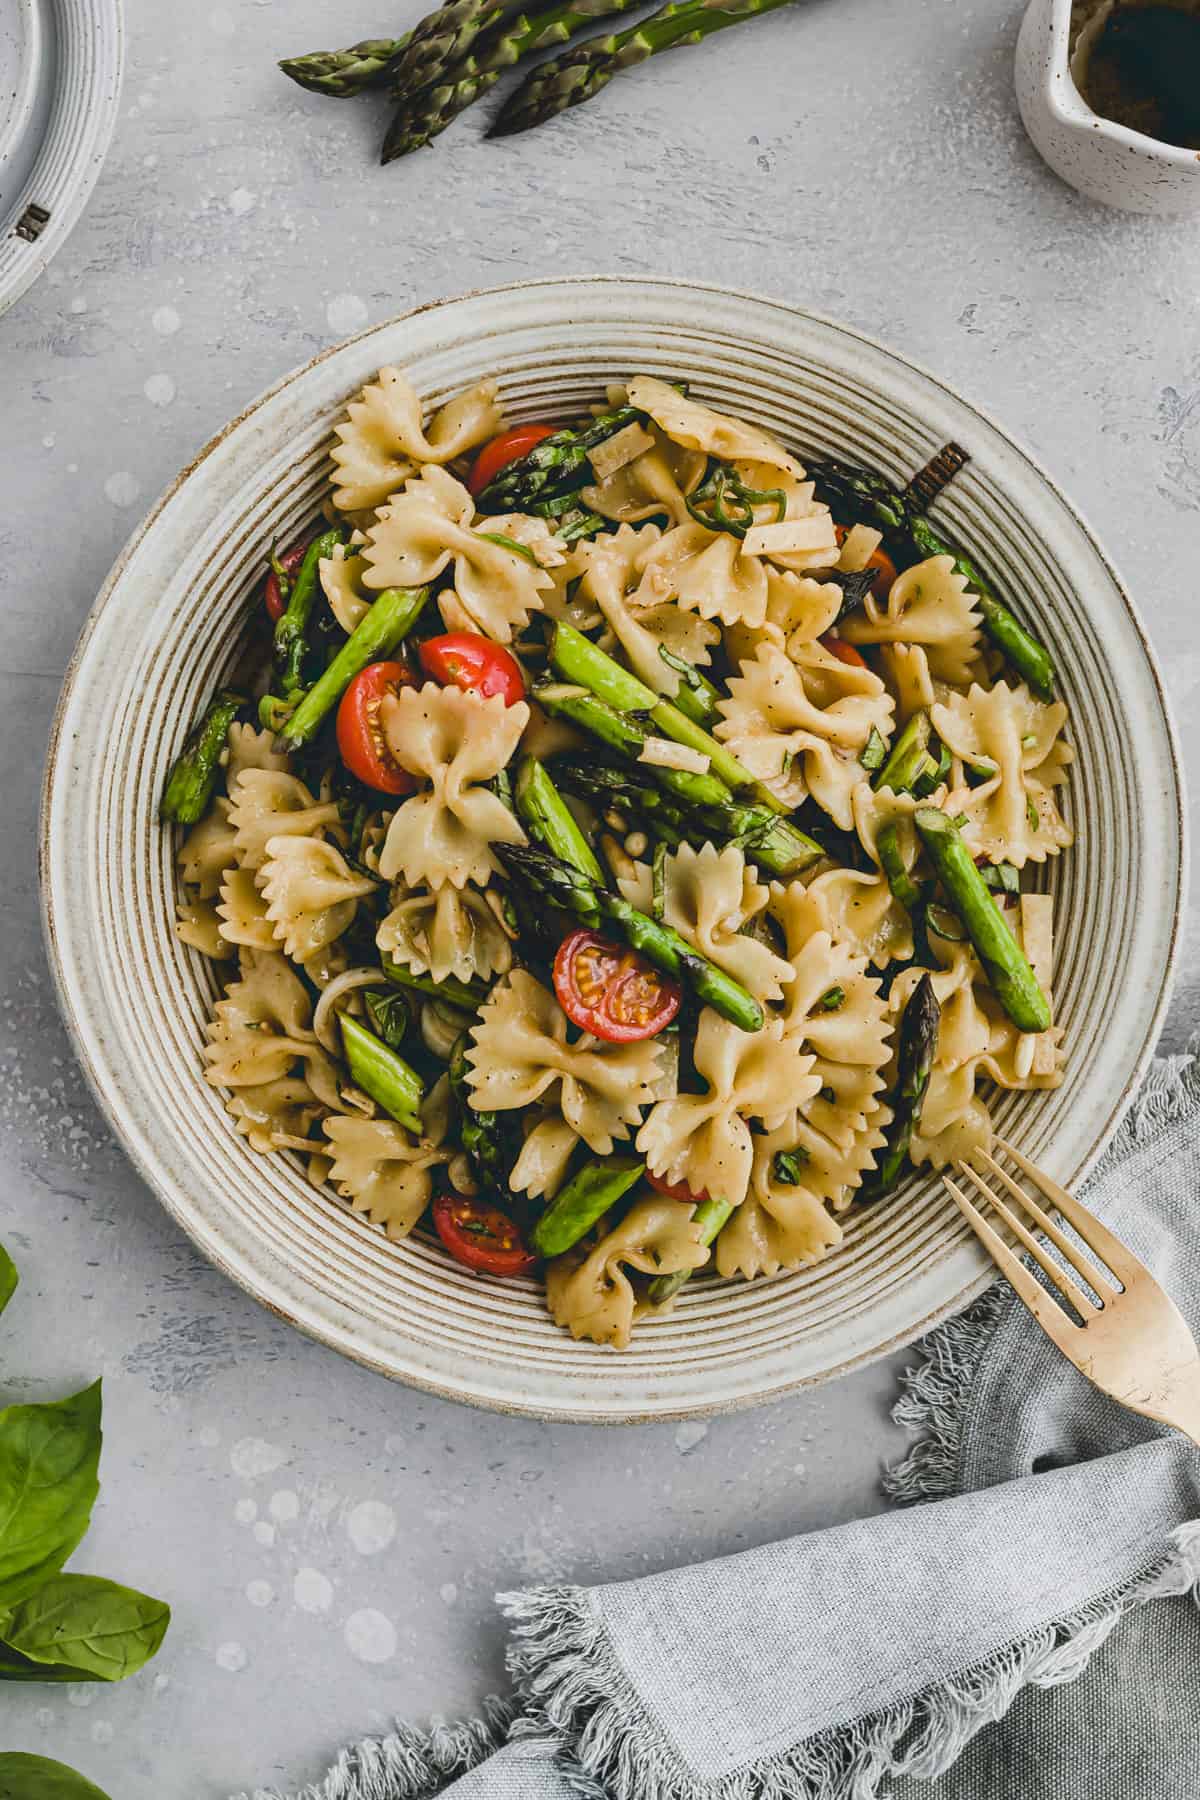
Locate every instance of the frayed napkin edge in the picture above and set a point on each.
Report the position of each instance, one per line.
(934, 1391)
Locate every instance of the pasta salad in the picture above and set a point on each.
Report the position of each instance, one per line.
(617, 844)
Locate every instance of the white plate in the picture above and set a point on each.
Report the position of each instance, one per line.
(162, 635)
(60, 82)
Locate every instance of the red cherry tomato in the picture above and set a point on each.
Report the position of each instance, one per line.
(480, 1236)
(503, 450)
(845, 653)
(360, 740)
(463, 659)
(881, 562)
(289, 562)
(610, 991)
(677, 1190)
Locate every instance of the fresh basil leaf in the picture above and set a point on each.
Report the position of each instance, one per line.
(873, 754)
(24, 1777)
(788, 1166)
(388, 1014)
(85, 1623)
(15, 1667)
(831, 1000)
(8, 1278)
(49, 1457)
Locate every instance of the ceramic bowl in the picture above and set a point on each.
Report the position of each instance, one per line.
(1106, 161)
(162, 636)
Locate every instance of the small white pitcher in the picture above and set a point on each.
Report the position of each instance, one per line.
(1105, 161)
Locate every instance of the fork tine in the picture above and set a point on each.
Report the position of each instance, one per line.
(1049, 1315)
(1098, 1238)
(1083, 1266)
(1057, 1274)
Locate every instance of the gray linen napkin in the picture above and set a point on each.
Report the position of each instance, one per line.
(995, 1643)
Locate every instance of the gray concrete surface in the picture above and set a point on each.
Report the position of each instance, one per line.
(331, 1543)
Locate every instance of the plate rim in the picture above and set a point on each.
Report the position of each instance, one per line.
(87, 122)
(329, 1333)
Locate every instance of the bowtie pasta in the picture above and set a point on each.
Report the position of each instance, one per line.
(630, 861)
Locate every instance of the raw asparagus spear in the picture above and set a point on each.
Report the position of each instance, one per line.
(909, 760)
(775, 844)
(291, 631)
(914, 1064)
(422, 115)
(1028, 657)
(585, 1198)
(854, 491)
(379, 631)
(442, 38)
(383, 1074)
(577, 659)
(549, 819)
(479, 1133)
(451, 990)
(1013, 981)
(556, 467)
(597, 906)
(711, 1216)
(343, 73)
(189, 786)
(578, 74)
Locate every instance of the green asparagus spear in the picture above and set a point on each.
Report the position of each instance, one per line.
(585, 1198)
(549, 820)
(480, 1133)
(454, 992)
(696, 696)
(1029, 658)
(422, 115)
(442, 38)
(595, 906)
(377, 634)
(712, 1216)
(291, 631)
(556, 467)
(382, 1074)
(189, 786)
(905, 889)
(855, 492)
(342, 73)
(775, 844)
(914, 1063)
(1013, 981)
(578, 660)
(578, 74)
(909, 761)
(389, 1016)
(626, 733)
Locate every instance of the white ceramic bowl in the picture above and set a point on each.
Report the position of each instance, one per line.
(159, 640)
(1103, 160)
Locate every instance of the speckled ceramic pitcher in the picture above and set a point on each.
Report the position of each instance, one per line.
(1106, 161)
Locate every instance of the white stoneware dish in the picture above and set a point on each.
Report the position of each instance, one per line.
(60, 82)
(1106, 161)
(161, 637)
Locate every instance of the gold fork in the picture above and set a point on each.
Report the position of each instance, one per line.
(1129, 1338)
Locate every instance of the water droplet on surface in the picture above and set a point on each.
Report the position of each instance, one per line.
(159, 390)
(246, 1511)
(231, 1657)
(312, 1591)
(370, 1636)
(284, 1506)
(166, 321)
(345, 313)
(371, 1526)
(122, 488)
(253, 1456)
(259, 1593)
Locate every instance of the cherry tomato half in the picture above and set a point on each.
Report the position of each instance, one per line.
(480, 1236)
(503, 450)
(475, 664)
(610, 991)
(360, 740)
(881, 562)
(289, 562)
(677, 1190)
(845, 653)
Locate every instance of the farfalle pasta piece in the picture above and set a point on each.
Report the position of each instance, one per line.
(198, 925)
(654, 483)
(833, 1171)
(589, 1292)
(341, 577)
(858, 906)
(653, 637)
(381, 439)
(701, 428)
(799, 725)
(1012, 741)
(426, 528)
(268, 803)
(275, 1115)
(544, 1157)
(312, 893)
(208, 850)
(520, 1055)
(382, 1170)
(779, 1225)
(261, 1028)
(705, 572)
(906, 671)
(708, 895)
(242, 911)
(931, 605)
(455, 741)
(250, 748)
(445, 931)
(704, 1139)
